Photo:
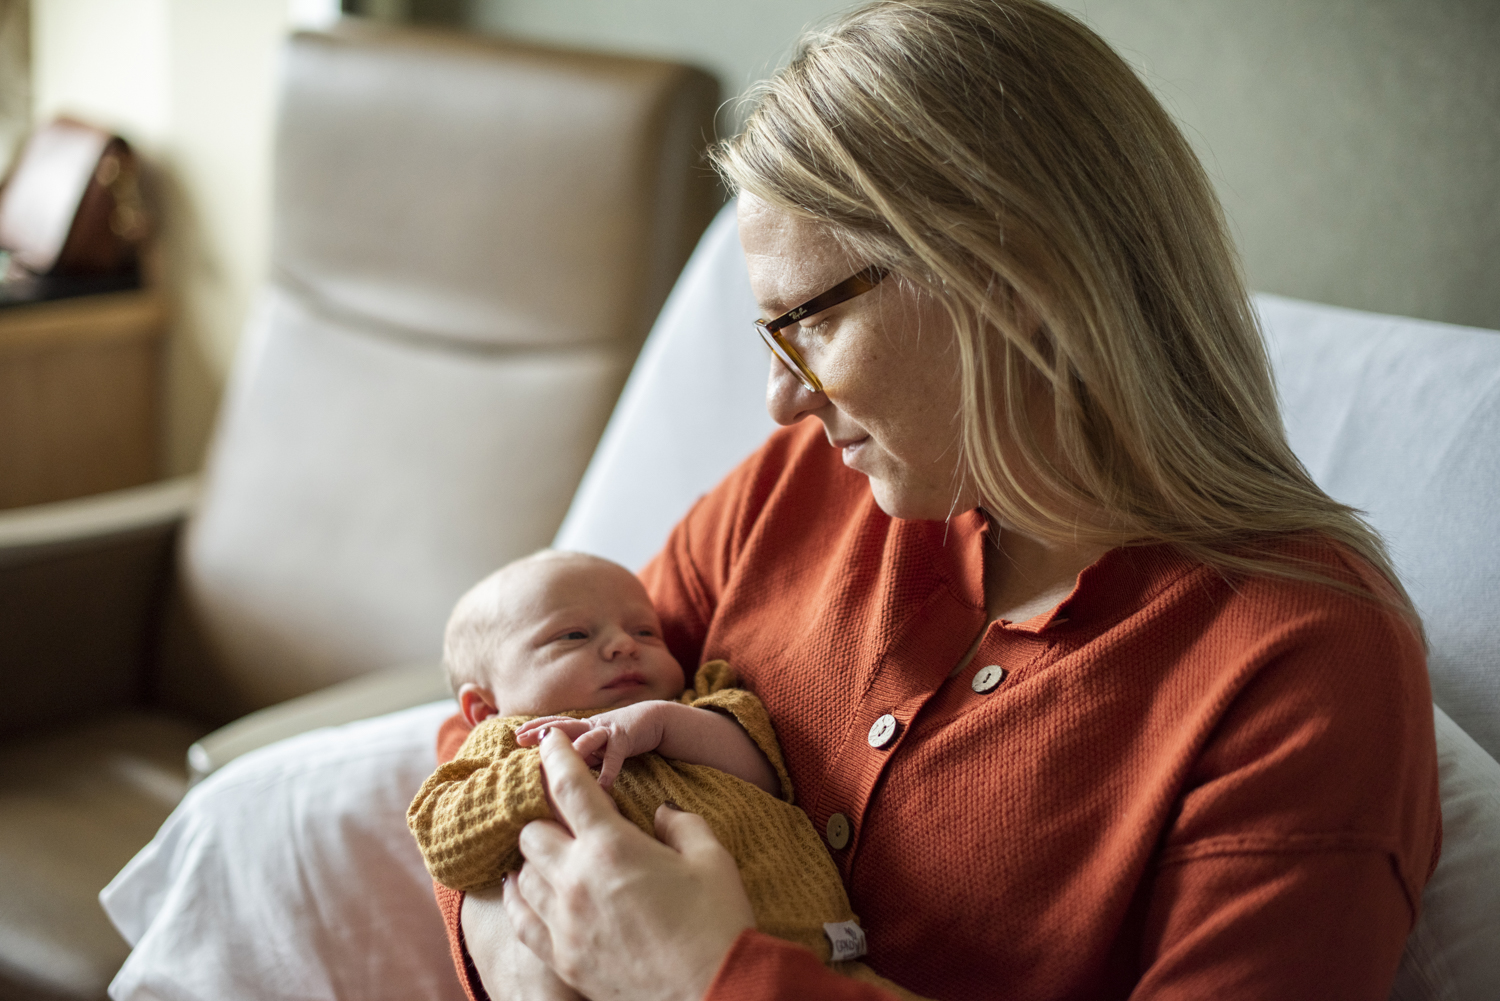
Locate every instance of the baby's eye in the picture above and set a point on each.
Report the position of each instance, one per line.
(574, 634)
(648, 631)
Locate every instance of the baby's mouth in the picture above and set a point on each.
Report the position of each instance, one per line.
(627, 680)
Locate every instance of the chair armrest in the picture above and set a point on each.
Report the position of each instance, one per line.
(40, 531)
(358, 698)
(81, 587)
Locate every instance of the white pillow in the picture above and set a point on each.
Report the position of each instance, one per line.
(290, 873)
(1453, 954)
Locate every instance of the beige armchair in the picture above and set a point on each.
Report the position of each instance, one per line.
(471, 239)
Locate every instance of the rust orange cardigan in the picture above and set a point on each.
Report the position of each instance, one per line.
(1184, 787)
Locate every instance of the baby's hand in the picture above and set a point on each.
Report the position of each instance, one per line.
(529, 734)
(606, 740)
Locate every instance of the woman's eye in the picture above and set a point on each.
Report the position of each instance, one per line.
(811, 336)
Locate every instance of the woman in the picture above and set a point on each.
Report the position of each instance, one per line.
(1094, 693)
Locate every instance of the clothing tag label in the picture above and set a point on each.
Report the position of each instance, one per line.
(847, 939)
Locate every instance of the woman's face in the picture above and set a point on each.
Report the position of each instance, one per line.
(887, 360)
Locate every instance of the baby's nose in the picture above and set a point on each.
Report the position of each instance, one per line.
(621, 644)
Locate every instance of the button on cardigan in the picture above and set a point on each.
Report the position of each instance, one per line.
(1186, 785)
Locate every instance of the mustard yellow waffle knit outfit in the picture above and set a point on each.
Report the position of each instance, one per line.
(469, 813)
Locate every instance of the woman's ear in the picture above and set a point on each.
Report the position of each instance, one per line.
(475, 704)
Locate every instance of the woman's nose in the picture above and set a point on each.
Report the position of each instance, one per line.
(787, 400)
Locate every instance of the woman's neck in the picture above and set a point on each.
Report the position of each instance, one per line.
(1025, 576)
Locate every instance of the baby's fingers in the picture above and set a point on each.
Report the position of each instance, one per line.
(614, 758)
(535, 726)
(541, 721)
(529, 734)
(590, 748)
(589, 744)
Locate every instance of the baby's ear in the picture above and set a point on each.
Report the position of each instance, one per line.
(475, 704)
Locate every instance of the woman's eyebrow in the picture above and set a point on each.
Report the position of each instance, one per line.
(777, 305)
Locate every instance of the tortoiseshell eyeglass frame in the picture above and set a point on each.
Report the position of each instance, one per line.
(857, 284)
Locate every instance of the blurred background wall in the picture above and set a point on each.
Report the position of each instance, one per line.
(192, 84)
(1355, 143)
(15, 76)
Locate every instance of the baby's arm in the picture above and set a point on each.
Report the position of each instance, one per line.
(671, 729)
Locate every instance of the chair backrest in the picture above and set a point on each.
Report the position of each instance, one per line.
(1398, 417)
(693, 408)
(470, 241)
(1401, 419)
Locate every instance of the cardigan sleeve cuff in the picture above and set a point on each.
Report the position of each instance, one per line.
(761, 968)
(450, 903)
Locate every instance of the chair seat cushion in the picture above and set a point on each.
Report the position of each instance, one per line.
(75, 804)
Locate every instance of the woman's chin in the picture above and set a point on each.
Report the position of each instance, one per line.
(899, 501)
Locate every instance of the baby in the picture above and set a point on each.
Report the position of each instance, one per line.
(572, 642)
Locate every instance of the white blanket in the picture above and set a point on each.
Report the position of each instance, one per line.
(290, 874)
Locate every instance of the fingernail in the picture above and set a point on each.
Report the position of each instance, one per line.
(671, 805)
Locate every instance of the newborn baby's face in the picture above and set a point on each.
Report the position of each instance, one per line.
(583, 635)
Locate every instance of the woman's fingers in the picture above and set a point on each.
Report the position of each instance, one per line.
(576, 798)
(688, 833)
(543, 841)
(535, 892)
(508, 968)
(528, 927)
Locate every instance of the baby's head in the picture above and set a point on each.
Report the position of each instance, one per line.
(553, 632)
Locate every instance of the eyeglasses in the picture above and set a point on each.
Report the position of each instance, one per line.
(845, 290)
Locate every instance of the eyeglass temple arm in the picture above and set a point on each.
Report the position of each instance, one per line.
(845, 290)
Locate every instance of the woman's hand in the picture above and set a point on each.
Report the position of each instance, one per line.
(509, 970)
(614, 913)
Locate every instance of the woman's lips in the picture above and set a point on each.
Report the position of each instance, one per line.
(851, 449)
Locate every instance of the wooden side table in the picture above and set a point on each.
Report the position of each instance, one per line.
(80, 387)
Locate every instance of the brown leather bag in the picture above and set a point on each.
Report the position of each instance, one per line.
(72, 204)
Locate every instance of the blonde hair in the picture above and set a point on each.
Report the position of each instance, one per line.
(1000, 157)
